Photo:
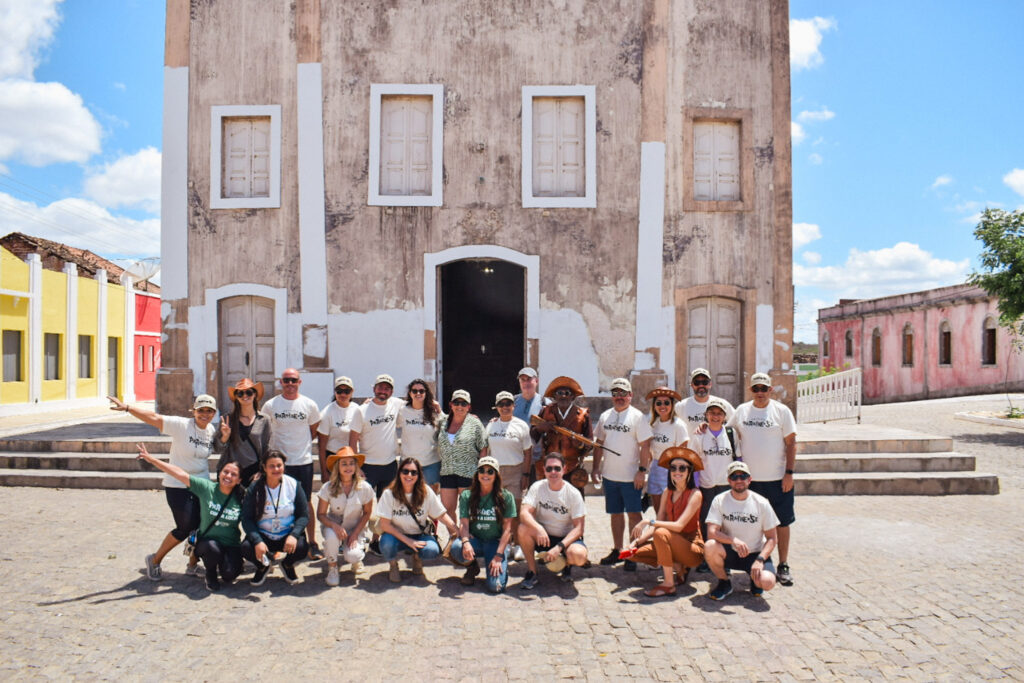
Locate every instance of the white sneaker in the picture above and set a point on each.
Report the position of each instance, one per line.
(153, 570)
(332, 576)
(193, 570)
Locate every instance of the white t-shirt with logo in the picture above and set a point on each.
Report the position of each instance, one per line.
(746, 519)
(555, 510)
(690, 411)
(666, 435)
(379, 438)
(716, 454)
(278, 517)
(762, 432)
(347, 510)
(337, 423)
(289, 424)
(190, 448)
(398, 512)
(418, 435)
(508, 440)
(622, 432)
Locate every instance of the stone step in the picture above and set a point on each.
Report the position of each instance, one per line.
(896, 484)
(854, 438)
(81, 480)
(83, 462)
(155, 444)
(882, 462)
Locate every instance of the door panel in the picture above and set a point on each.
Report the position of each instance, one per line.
(713, 342)
(246, 342)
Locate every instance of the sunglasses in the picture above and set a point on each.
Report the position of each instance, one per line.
(489, 471)
(343, 390)
(679, 468)
(289, 380)
(247, 393)
(459, 403)
(759, 389)
(701, 382)
(619, 393)
(505, 404)
(553, 468)
(662, 403)
(417, 391)
(410, 473)
(563, 392)
(737, 476)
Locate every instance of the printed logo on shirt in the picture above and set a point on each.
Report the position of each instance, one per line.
(741, 517)
(695, 418)
(343, 423)
(625, 429)
(501, 435)
(291, 415)
(383, 419)
(195, 441)
(718, 452)
(557, 509)
(413, 421)
(662, 438)
(765, 423)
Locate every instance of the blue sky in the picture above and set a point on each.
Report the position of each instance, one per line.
(906, 119)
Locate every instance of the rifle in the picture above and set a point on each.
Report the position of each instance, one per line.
(536, 419)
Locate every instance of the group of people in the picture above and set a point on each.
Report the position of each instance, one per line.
(393, 470)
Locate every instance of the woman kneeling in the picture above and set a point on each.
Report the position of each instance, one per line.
(485, 526)
(673, 541)
(274, 518)
(346, 502)
(406, 509)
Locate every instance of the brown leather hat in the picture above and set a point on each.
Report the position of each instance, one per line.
(246, 383)
(563, 383)
(664, 391)
(676, 452)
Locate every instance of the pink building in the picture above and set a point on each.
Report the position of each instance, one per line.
(940, 342)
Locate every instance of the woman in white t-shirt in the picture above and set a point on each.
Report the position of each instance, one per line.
(669, 431)
(341, 423)
(191, 444)
(346, 502)
(418, 421)
(406, 510)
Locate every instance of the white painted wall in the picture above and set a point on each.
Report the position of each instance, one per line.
(364, 345)
(566, 349)
(174, 187)
(765, 337)
(649, 266)
(313, 265)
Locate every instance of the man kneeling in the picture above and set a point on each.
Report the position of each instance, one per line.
(552, 520)
(741, 535)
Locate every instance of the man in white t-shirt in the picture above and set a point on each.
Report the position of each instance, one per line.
(293, 422)
(691, 410)
(379, 438)
(741, 535)
(767, 435)
(621, 462)
(551, 520)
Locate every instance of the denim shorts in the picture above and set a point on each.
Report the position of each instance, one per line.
(621, 496)
(432, 473)
(743, 564)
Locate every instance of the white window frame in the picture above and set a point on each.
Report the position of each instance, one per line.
(589, 95)
(217, 114)
(434, 90)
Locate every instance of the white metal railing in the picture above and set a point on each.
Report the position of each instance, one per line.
(833, 397)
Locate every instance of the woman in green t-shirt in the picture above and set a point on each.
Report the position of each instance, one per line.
(218, 539)
(485, 526)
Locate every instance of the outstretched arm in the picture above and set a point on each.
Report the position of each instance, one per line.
(147, 416)
(173, 470)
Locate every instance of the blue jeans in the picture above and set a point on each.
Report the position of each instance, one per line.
(485, 550)
(390, 545)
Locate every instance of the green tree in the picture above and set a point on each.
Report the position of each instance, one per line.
(1002, 263)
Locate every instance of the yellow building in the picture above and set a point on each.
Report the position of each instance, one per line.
(68, 336)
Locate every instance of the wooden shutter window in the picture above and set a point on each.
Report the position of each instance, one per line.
(716, 160)
(559, 168)
(246, 156)
(405, 145)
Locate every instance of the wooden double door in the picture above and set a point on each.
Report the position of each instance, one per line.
(246, 343)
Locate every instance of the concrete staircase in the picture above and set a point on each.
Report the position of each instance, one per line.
(832, 459)
(846, 459)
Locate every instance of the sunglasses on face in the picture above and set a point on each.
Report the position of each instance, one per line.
(289, 380)
(505, 404)
(738, 476)
(563, 392)
(679, 468)
(619, 393)
(662, 403)
(759, 389)
(417, 391)
(343, 390)
(460, 403)
(410, 473)
(553, 468)
(701, 382)
(248, 393)
(489, 471)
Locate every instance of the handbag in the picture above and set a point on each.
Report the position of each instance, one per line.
(447, 554)
(190, 543)
(431, 528)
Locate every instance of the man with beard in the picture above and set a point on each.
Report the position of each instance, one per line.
(379, 438)
(566, 414)
(691, 410)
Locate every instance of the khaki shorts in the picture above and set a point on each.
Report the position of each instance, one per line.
(512, 479)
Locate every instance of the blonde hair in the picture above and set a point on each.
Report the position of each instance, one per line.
(336, 484)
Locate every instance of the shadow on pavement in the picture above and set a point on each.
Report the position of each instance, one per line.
(1010, 438)
(97, 430)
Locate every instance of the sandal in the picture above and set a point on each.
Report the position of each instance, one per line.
(659, 591)
(680, 579)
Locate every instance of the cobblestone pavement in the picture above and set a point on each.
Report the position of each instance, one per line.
(885, 588)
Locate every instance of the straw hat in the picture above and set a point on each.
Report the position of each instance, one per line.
(345, 452)
(563, 383)
(664, 391)
(246, 383)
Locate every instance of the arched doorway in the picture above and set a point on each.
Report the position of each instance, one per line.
(482, 329)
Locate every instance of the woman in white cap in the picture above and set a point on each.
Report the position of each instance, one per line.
(346, 502)
(245, 433)
(341, 423)
(486, 512)
(461, 442)
(191, 445)
(669, 431)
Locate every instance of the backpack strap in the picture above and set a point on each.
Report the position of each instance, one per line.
(732, 441)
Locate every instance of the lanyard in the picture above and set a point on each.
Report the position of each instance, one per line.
(271, 499)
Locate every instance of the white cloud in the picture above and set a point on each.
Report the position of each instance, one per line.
(815, 159)
(132, 180)
(805, 318)
(796, 131)
(26, 27)
(45, 123)
(82, 223)
(904, 267)
(943, 179)
(117, 85)
(805, 40)
(812, 257)
(1015, 180)
(823, 114)
(805, 233)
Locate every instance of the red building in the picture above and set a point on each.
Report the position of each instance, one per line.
(940, 342)
(147, 344)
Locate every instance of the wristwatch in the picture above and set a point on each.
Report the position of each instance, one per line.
(560, 545)
(642, 468)
(789, 471)
(762, 559)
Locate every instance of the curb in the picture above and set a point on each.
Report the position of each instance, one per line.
(986, 420)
